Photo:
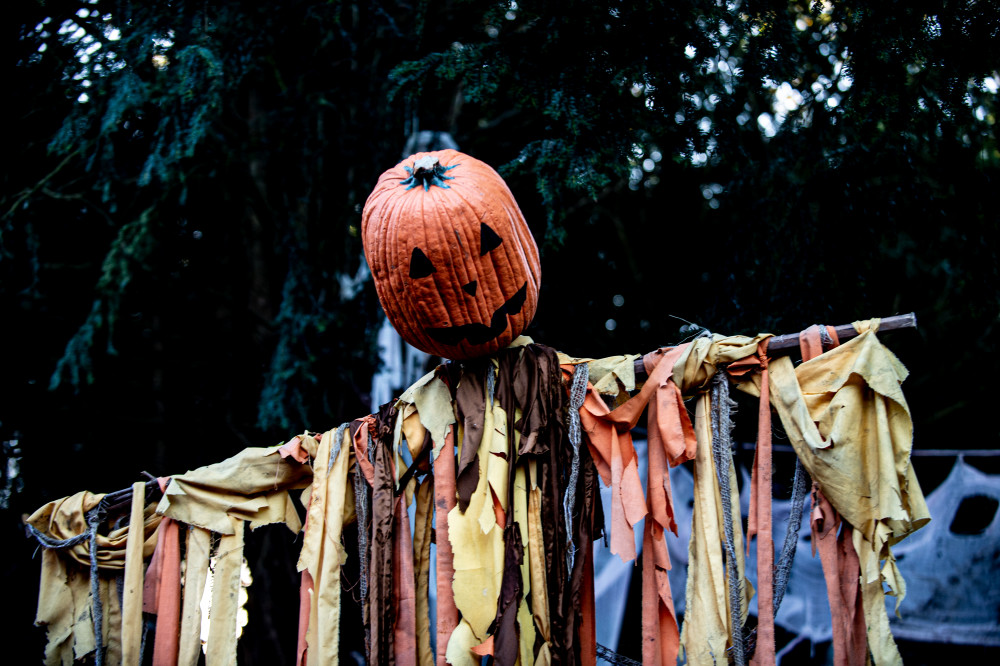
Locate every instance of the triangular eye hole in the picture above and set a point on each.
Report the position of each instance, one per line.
(420, 265)
(488, 239)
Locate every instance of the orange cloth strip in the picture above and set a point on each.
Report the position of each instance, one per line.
(610, 441)
(165, 570)
(403, 583)
(832, 538)
(660, 636)
(671, 440)
(361, 447)
(609, 438)
(161, 593)
(669, 424)
(760, 520)
(445, 499)
(842, 572)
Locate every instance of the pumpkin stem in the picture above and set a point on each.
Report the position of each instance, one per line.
(427, 171)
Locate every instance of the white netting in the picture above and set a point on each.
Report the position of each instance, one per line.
(952, 589)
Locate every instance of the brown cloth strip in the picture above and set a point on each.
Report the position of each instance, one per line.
(380, 589)
(423, 529)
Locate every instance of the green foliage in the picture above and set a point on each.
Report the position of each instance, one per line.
(767, 163)
(128, 251)
(76, 362)
(811, 138)
(292, 375)
(210, 118)
(839, 156)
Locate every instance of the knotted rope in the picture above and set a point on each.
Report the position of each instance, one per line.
(783, 568)
(722, 453)
(612, 657)
(363, 505)
(94, 518)
(577, 394)
(338, 440)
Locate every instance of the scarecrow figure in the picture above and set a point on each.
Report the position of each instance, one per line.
(499, 452)
(499, 430)
(456, 270)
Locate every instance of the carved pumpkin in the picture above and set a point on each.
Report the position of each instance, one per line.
(455, 266)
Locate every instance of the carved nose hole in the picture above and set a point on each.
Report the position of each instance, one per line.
(471, 287)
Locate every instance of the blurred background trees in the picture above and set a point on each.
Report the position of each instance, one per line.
(181, 273)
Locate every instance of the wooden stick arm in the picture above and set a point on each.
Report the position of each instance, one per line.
(782, 344)
(789, 343)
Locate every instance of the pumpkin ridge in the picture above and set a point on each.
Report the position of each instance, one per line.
(448, 290)
(434, 302)
(397, 209)
(487, 289)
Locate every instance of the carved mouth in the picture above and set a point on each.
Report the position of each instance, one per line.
(477, 333)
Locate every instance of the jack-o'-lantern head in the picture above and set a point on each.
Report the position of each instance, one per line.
(455, 266)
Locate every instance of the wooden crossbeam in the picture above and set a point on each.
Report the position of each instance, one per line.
(789, 343)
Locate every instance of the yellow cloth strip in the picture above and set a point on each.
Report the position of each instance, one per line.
(536, 560)
(132, 593)
(322, 552)
(477, 541)
(198, 550)
(432, 398)
(707, 624)
(252, 485)
(225, 598)
(64, 600)
(845, 415)
(612, 375)
(112, 620)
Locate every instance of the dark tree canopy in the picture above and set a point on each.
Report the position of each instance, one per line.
(180, 266)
